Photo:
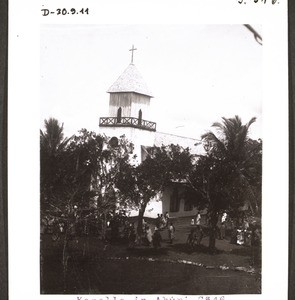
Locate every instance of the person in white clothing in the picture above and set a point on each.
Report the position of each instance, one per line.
(198, 219)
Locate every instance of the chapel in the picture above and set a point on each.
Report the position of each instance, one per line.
(129, 115)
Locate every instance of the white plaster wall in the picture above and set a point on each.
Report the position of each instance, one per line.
(152, 210)
(122, 100)
(130, 103)
(137, 136)
(140, 102)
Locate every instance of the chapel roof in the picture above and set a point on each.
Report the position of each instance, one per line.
(165, 139)
(130, 81)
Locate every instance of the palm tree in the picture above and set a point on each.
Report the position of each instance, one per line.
(233, 147)
(52, 147)
(232, 168)
(232, 139)
(52, 140)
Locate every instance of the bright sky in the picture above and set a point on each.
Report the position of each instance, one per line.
(197, 73)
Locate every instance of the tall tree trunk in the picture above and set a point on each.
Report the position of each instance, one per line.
(103, 226)
(65, 257)
(213, 219)
(140, 218)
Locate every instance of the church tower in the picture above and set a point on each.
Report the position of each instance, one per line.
(129, 110)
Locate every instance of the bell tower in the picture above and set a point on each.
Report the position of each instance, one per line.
(129, 113)
(129, 101)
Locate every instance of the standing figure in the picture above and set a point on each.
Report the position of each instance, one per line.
(171, 231)
(246, 231)
(163, 221)
(131, 236)
(167, 217)
(198, 219)
(149, 235)
(199, 234)
(256, 236)
(218, 227)
(222, 226)
(233, 234)
(158, 221)
(157, 239)
(240, 236)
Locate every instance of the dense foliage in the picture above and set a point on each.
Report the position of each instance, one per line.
(89, 177)
(79, 180)
(228, 176)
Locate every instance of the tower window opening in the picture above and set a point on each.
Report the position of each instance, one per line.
(139, 117)
(119, 115)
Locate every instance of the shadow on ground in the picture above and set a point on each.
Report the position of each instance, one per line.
(98, 268)
(146, 251)
(245, 251)
(102, 276)
(184, 248)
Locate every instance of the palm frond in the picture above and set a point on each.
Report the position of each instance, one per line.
(52, 139)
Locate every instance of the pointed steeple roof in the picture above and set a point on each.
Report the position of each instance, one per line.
(130, 81)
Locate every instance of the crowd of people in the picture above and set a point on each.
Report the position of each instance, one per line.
(162, 221)
(154, 238)
(246, 234)
(238, 231)
(150, 234)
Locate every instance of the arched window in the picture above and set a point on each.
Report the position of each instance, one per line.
(139, 117)
(119, 115)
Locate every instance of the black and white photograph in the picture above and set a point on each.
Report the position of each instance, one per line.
(151, 151)
(148, 147)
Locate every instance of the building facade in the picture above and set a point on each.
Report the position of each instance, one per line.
(129, 115)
